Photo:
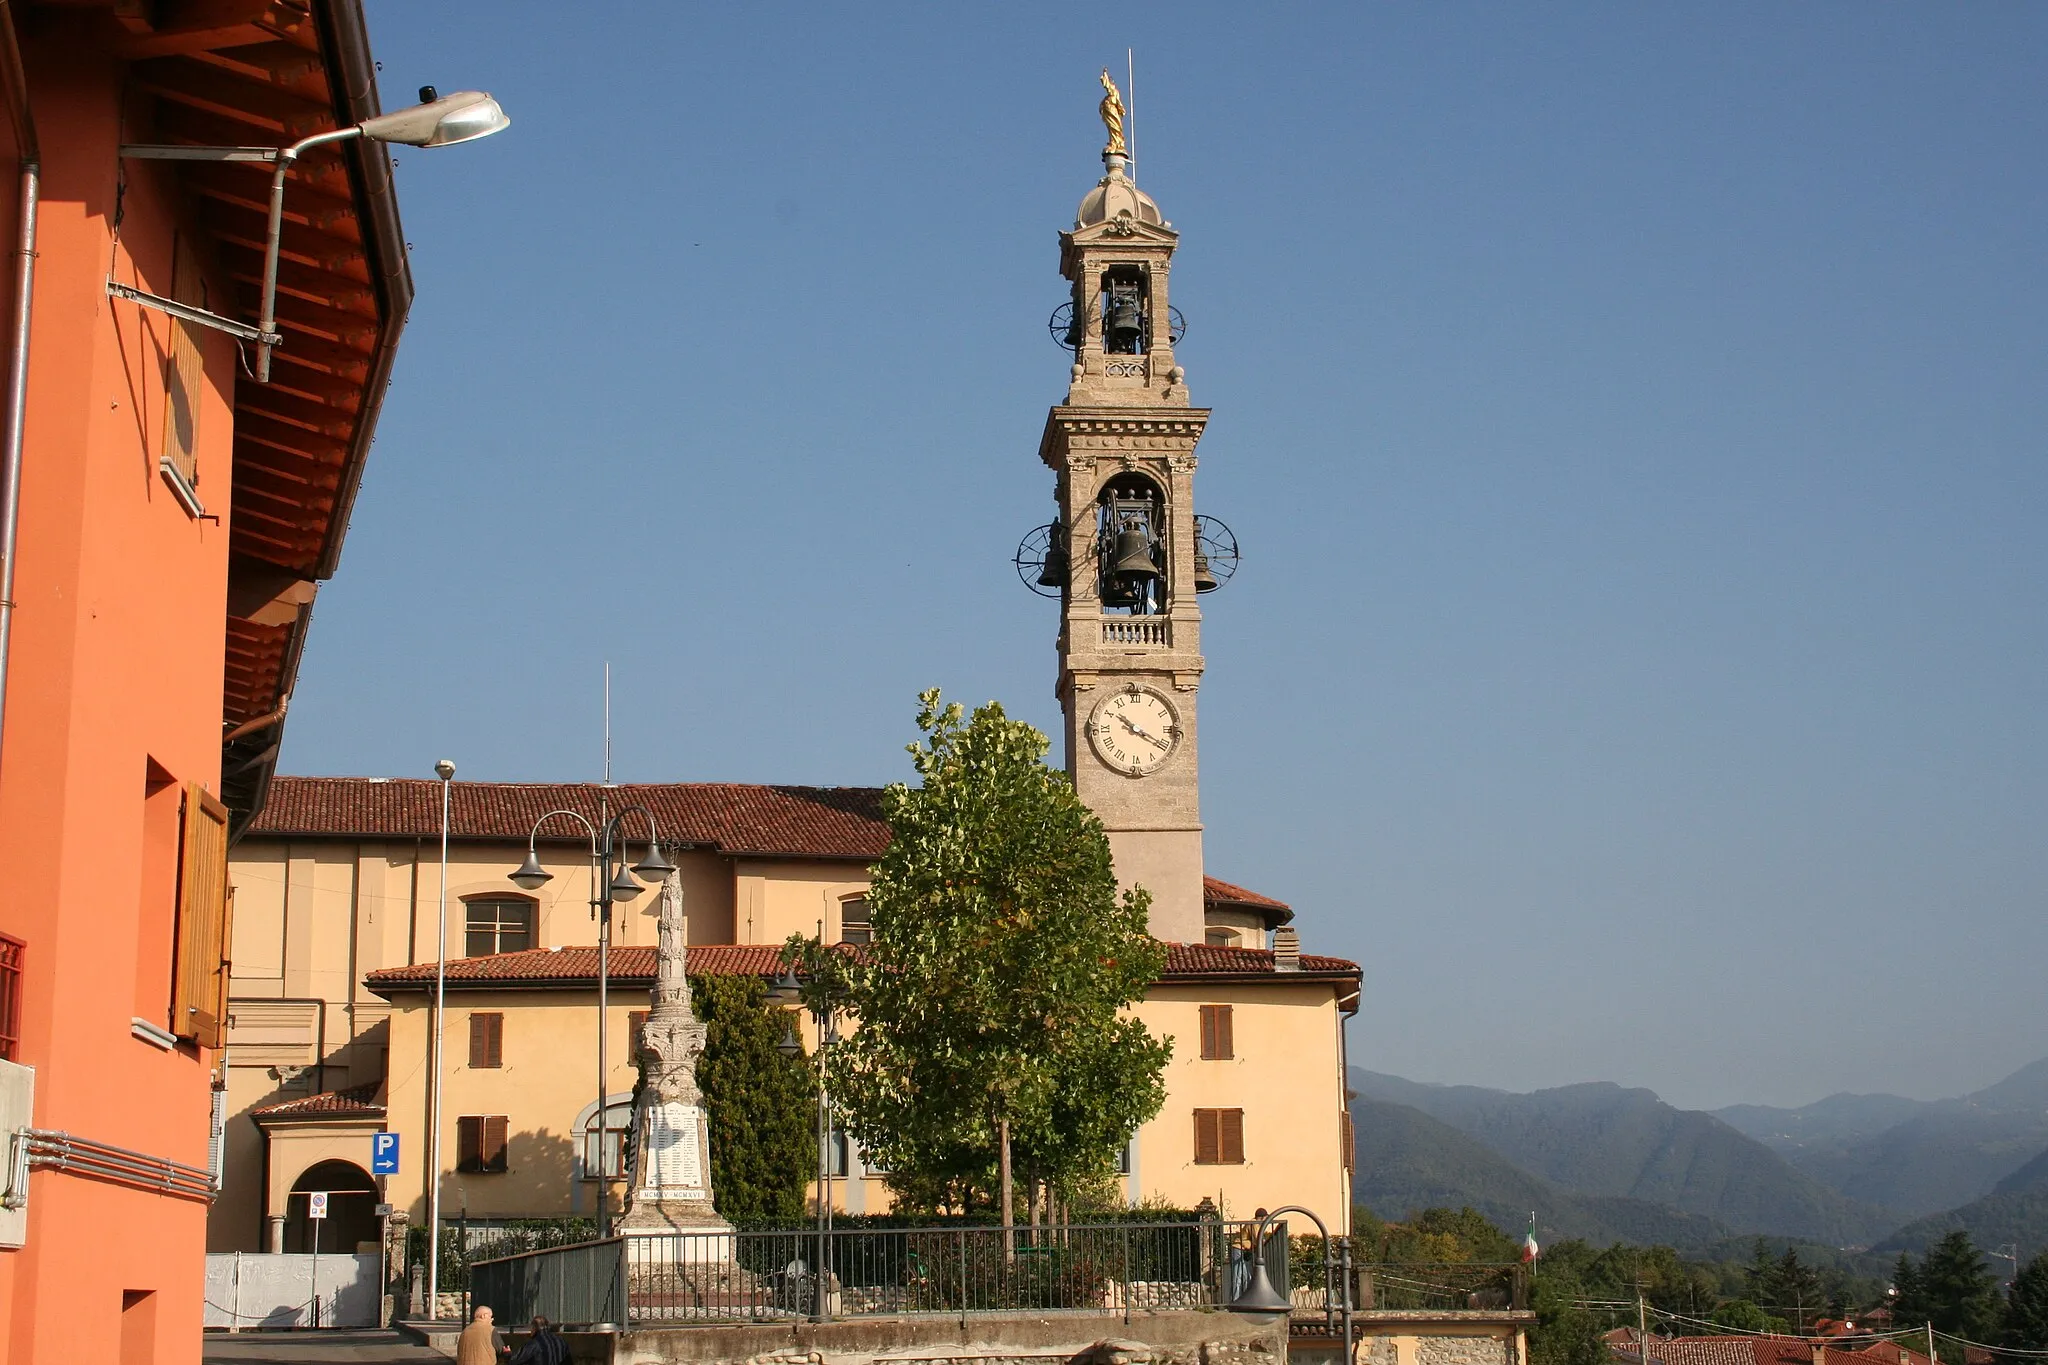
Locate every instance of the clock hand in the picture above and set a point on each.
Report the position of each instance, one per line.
(1142, 733)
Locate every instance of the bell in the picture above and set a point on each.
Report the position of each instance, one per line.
(1053, 573)
(1125, 326)
(1134, 555)
(1204, 580)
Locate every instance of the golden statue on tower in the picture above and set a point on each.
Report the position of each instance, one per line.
(1112, 111)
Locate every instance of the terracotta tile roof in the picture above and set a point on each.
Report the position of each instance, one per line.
(1217, 892)
(1760, 1350)
(731, 817)
(633, 965)
(356, 1102)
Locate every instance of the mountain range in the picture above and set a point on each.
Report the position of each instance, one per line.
(1609, 1163)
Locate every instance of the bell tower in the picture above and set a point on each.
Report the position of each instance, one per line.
(1126, 555)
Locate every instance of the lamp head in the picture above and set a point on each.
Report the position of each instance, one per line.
(791, 1045)
(445, 769)
(787, 990)
(531, 876)
(441, 122)
(1259, 1295)
(653, 867)
(623, 887)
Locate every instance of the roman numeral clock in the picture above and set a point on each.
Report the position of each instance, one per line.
(1126, 556)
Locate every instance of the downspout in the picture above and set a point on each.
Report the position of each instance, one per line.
(16, 77)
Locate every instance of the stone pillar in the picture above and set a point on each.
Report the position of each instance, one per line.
(273, 1224)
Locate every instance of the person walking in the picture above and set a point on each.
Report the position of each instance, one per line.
(544, 1347)
(479, 1344)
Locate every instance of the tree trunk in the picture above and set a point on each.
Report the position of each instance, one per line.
(1008, 1205)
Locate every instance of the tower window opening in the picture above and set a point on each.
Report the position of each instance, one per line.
(1126, 312)
(1130, 532)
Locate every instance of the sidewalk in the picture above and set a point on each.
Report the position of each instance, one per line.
(338, 1347)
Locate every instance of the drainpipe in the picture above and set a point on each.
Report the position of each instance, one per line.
(16, 78)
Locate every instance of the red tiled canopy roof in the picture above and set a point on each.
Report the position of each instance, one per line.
(731, 817)
(1759, 1350)
(633, 965)
(356, 1102)
(1216, 891)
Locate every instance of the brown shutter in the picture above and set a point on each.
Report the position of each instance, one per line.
(199, 997)
(1208, 1032)
(1216, 1034)
(1230, 1136)
(486, 1040)
(1208, 1146)
(469, 1143)
(1347, 1138)
(636, 1029)
(494, 1142)
(184, 372)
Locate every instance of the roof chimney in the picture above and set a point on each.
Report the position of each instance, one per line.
(1286, 949)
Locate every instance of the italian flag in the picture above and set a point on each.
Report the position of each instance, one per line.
(1529, 1247)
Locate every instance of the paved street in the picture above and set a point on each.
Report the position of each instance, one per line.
(316, 1348)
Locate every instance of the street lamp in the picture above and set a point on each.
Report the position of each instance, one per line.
(436, 121)
(609, 882)
(789, 992)
(1259, 1296)
(444, 769)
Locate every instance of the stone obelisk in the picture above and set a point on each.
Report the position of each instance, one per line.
(671, 1187)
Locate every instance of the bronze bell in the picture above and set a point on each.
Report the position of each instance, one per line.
(1125, 327)
(1053, 573)
(1204, 580)
(1134, 555)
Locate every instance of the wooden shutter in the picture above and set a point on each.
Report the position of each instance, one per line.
(1347, 1138)
(494, 1142)
(1230, 1136)
(1208, 1142)
(1217, 1043)
(636, 1030)
(469, 1143)
(199, 1005)
(184, 373)
(486, 1040)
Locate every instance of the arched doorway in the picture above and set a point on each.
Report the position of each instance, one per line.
(352, 1198)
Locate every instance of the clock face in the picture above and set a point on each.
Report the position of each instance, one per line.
(1134, 730)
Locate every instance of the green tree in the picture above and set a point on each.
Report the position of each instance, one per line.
(992, 1034)
(1740, 1315)
(1793, 1290)
(2026, 1309)
(1960, 1293)
(1909, 1294)
(759, 1103)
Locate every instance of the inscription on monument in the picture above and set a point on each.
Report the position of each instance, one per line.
(675, 1161)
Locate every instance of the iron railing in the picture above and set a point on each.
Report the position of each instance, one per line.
(724, 1277)
(583, 1284)
(1440, 1288)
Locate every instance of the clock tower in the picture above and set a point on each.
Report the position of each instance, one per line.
(1126, 555)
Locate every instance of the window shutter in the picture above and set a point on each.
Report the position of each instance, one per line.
(469, 1144)
(494, 1142)
(1216, 1034)
(636, 1029)
(1230, 1136)
(486, 1040)
(1348, 1137)
(1208, 1146)
(199, 999)
(184, 374)
(1208, 1032)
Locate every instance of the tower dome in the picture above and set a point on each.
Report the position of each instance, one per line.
(1114, 196)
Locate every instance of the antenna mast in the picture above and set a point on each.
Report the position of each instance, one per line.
(1131, 113)
(607, 722)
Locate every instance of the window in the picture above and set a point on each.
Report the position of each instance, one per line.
(1219, 1137)
(836, 1152)
(486, 1040)
(1126, 1156)
(1216, 1039)
(480, 1144)
(12, 951)
(604, 1153)
(1220, 938)
(854, 925)
(199, 991)
(498, 926)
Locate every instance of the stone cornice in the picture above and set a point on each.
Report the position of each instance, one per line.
(1161, 428)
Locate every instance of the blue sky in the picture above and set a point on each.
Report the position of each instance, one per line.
(1632, 417)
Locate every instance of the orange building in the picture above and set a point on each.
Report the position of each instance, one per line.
(174, 517)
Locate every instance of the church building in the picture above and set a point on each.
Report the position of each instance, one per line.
(336, 939)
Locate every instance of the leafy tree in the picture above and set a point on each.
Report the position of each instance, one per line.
(2026, 1309)
(1960, 1293)
(1740, 1315)
(992, 1038)
(758, 1102)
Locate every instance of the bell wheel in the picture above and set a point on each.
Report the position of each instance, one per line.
(1041, 560)
(1061, 325)
(1216, 544)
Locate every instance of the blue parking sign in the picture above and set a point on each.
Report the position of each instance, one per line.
(383, 1154)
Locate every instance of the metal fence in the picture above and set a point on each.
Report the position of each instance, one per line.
(724, 1277)
(584, 1284)
(1475, 1287)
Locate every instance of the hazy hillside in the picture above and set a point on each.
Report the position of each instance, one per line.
(1930, 1155)
(1605, 1141)
(2016, 1212)
(1408, 1161)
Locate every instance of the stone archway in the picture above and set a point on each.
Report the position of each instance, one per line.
(351, 1208)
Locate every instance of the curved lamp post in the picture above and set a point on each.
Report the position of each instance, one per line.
(609, 881)
(788, 992)
(1259, 1296)
(437, 121)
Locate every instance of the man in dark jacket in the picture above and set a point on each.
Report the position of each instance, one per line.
(544, 1347)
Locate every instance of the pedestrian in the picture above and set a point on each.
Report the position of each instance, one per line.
(478, 1344)
(544, 1347)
